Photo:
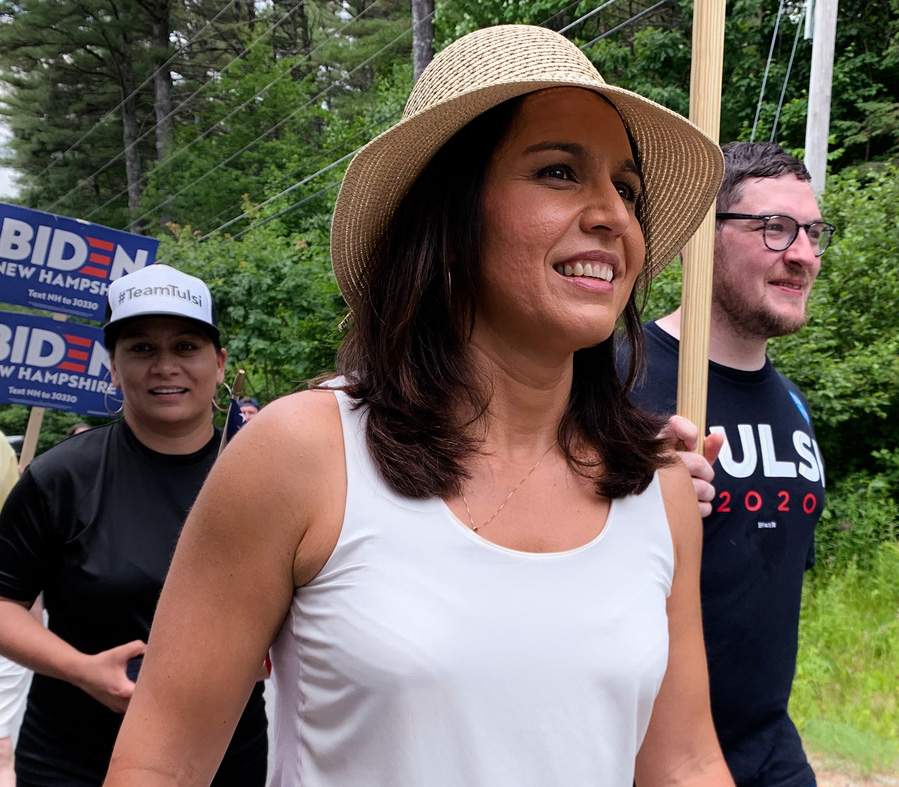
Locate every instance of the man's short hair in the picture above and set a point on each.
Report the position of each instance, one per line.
(744, 160)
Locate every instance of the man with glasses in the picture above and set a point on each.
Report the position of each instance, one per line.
(759, 537)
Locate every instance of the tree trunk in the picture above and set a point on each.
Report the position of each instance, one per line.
(129, 132)
(422, 35)
(162, 78)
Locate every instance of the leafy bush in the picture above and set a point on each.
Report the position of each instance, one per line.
(861, 514)
(847, 358)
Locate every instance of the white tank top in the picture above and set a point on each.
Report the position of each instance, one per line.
(425, 656)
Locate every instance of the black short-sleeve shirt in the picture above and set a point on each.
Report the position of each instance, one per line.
(92, 524)
(757, 544)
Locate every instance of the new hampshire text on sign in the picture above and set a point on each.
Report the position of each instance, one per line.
(60, 365)
(64, 265)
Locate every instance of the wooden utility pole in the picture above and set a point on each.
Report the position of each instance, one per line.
(422, 36)
(696, 297)
(817, 125)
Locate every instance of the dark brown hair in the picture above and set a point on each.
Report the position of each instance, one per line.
(744, 160)
(405, 355)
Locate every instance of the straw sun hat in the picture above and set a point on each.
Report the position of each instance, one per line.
(682, 168)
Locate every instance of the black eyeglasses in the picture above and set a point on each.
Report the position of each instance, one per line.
(779, 232)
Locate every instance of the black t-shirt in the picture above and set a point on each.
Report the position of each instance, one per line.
(93, 525)
(757, 543)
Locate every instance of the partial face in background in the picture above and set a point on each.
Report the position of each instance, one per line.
(758, 292)
(168, 371)
(561, 246)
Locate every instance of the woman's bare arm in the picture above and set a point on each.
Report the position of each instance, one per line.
(265, 522)
(26, 641)
(680, 747)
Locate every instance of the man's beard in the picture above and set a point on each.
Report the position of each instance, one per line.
(753, 322)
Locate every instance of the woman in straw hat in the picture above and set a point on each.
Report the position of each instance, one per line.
(475, 563)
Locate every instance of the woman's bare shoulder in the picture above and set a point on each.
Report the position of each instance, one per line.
(682, 508)
(675, 482)
(306, 423)
(284, 475)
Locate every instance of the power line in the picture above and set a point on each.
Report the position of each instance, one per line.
(787, 77)
(53, 162)
(568, 7)
(150, 130)
(625, 24)
(313, 160)
(296, 205)
(278, 125)
(284, 212)
(220, 121)
(587, 15)
(333, 185)
(758, 109)
(318, 158)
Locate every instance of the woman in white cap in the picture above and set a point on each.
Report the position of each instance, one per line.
(93, 523)
(475, 562)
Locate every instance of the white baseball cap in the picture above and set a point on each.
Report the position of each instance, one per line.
(159, 291)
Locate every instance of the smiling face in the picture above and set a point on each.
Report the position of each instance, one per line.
(758, 293)
(167, 370)
(561, 246)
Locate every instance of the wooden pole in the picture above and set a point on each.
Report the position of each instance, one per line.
(817, 125)
(32, 432)
(35, 421)
(696, 296)
(236, 392)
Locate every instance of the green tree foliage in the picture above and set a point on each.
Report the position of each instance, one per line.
(277, 302)
(847, 357)
(68, 68)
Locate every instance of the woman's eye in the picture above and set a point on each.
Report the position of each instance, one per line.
(557, 172)
(140, 347)
(627, 192)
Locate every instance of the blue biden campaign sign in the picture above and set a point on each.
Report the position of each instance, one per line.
(60, 365)
(64, 265)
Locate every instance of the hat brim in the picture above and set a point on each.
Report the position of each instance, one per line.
(681, 167)
(112, 330)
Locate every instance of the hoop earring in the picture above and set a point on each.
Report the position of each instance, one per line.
(106, 401)
(215, 399)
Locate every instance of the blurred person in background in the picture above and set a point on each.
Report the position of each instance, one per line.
(92, 525)
(14, 678)
(249, 407)
(758, 540)
(77, 429)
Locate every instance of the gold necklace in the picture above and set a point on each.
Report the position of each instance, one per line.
(475, 528)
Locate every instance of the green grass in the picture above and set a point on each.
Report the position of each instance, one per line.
(845, 697)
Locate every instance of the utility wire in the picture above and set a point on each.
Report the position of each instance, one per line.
(54, 162)
(296, 205)
(150, 130)
(311, 161)
(295, 186)
(625, 24)
(758, 109)
(220, 121)
(587, 15)
(278, 125)
(568, 7)
(787, 77)
(377, 123)
(284, 212)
